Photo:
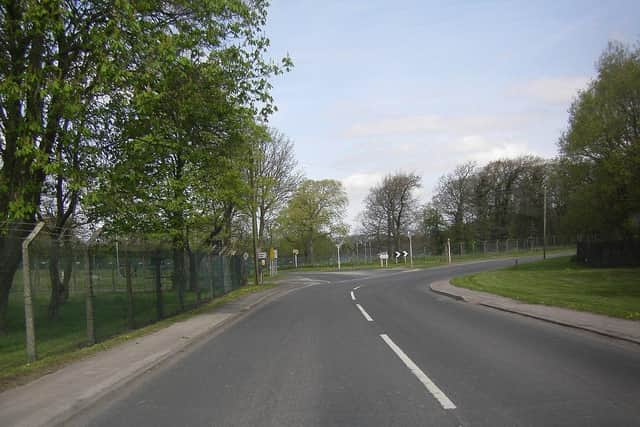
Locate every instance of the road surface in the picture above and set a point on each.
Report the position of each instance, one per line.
(378, 348)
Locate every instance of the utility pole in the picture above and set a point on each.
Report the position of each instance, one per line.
(544, 226)
(410, 250)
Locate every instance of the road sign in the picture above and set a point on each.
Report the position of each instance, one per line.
(383, 255)
(245, 256)
(397, 254)
(262, 255)
(296, 252)
(405, 253)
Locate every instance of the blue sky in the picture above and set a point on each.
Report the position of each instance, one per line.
(382, 86)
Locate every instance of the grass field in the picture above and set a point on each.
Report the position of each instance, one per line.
(65, 339)
(560, 282)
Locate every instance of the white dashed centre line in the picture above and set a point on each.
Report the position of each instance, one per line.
(364, 313)
(353, 297)
(422, 377)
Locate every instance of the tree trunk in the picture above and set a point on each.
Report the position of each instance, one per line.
(54, 276)
(10, 255)
(59, 286)
(67, 267)
(310, 251)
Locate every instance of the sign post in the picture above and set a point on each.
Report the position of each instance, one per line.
(295, 257)
(262, 257)
(338, 246)
(384, 258)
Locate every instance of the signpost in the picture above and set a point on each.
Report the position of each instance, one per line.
(384, 258)
(295, 257)
(262, 256)
(338, 246)
(404, 255)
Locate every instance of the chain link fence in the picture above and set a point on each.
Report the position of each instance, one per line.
(110, 287)
(424, 252)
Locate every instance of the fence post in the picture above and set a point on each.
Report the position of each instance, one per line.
(91, 331)
(28, 303)
(156, 260)
(91, 328)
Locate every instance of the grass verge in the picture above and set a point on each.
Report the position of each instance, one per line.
(561, 282)
(62, 342)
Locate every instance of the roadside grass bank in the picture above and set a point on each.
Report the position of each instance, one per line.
(421, 261)
(564, 283)
(64, 340)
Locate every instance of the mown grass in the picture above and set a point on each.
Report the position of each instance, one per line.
(561, 282)
(65, 339)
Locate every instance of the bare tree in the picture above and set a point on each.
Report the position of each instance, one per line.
(389, 208)
(276, 178)
(454, 196)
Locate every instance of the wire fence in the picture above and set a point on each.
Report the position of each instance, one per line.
(424, 252)
(110, 287)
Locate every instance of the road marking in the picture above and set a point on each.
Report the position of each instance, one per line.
(364, 313)
(353, 297)
(424, 379)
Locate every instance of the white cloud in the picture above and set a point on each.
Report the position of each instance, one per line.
(357, 186)
(555, 90)
(427, 159)
(430, 145)
(436, 123)
(483, 150)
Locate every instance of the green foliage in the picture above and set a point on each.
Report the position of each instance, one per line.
(601, 149)
(316, 210)
(137, 108)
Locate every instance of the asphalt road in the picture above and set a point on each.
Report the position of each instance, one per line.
(313, 358)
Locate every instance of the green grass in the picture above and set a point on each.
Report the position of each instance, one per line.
(65, 340)
(560, 282)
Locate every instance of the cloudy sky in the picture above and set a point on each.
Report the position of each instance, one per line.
(420, 86)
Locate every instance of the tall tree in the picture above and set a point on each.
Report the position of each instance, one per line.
(391, 204)
(433, 227)
(600, 150)
(57, 59)
(316, 210)
(275, 177)
(453, 198)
